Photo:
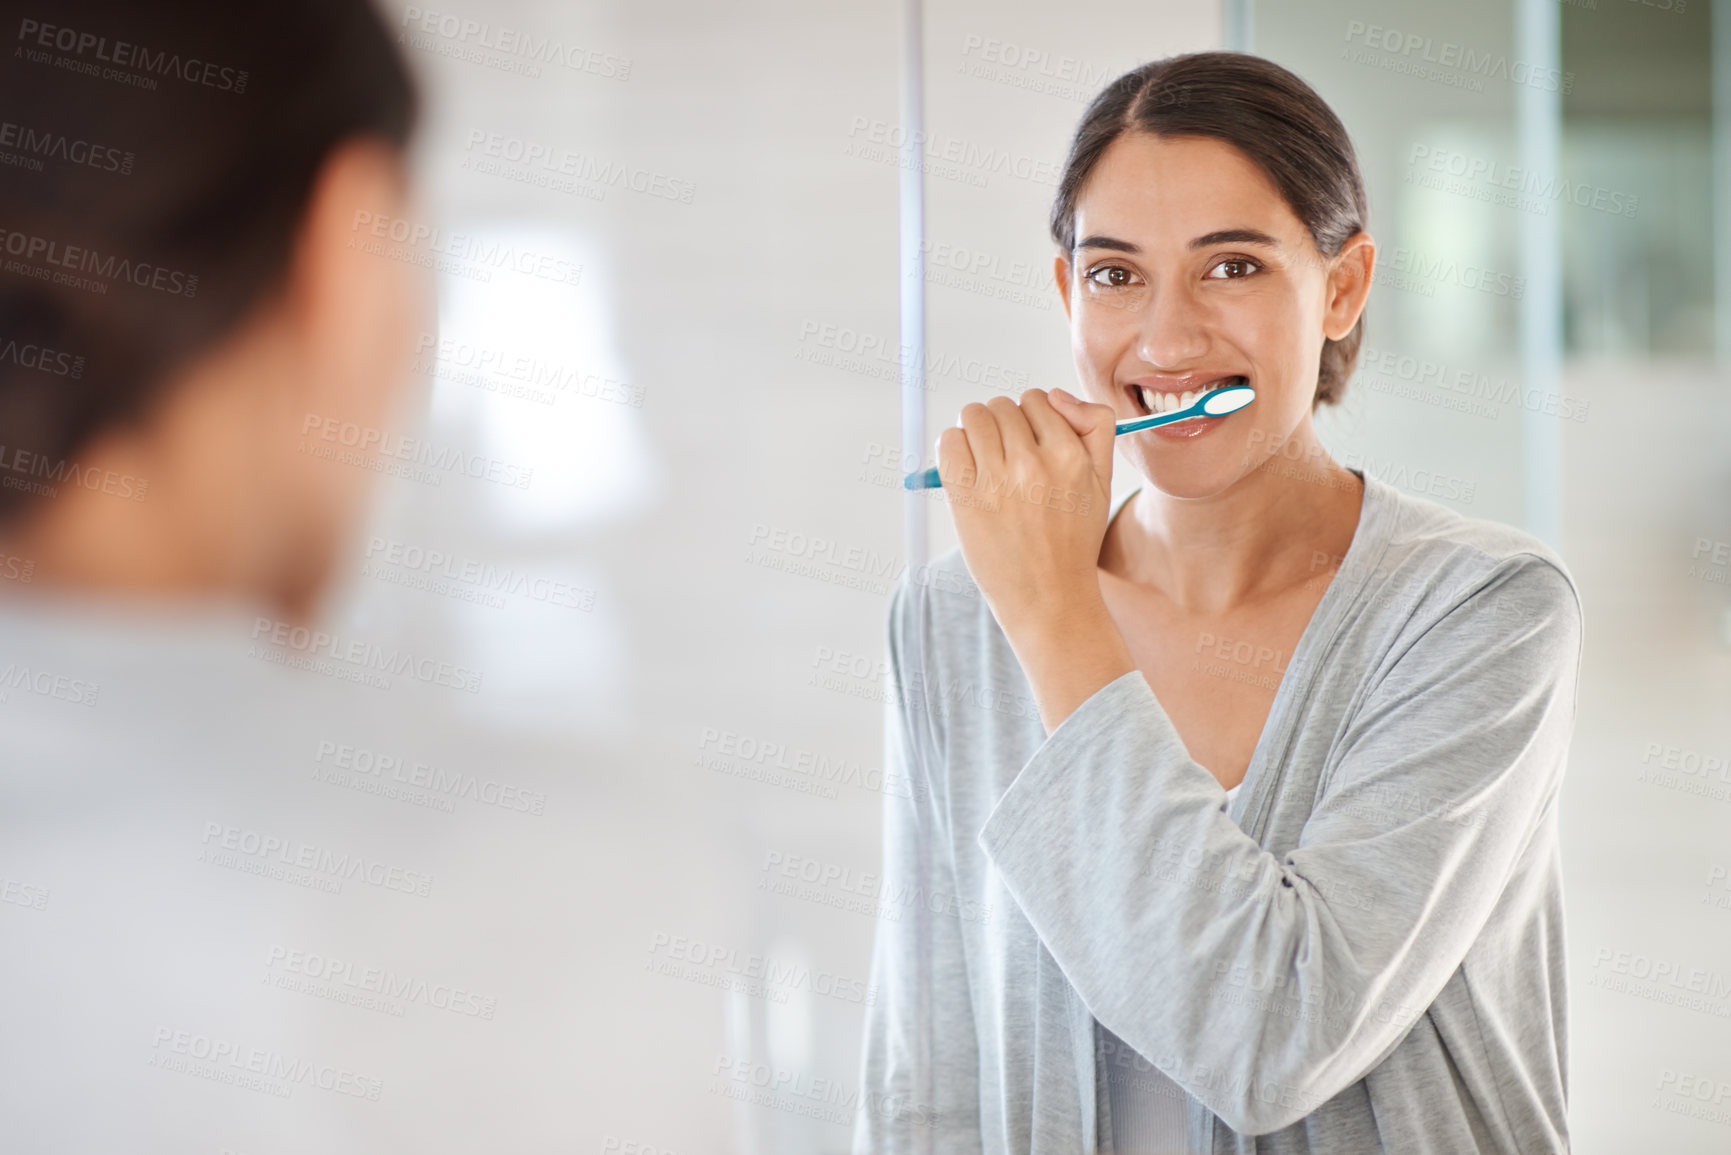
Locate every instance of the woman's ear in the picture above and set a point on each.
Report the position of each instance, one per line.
(1349, 279)
(1061, 274)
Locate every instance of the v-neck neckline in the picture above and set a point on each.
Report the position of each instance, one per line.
(1369, 540)
(1368, 537)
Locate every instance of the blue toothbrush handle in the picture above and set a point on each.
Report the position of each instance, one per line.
(1214, 403)
(928, 479)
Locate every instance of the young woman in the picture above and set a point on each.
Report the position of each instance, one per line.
(1270, 863)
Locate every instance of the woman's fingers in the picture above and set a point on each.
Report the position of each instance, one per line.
(984, 437)
(1013, 428)
(1050, 427)
(956, 465)
(1002, 436)
(1095, 424)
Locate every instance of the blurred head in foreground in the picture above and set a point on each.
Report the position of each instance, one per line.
(184, 291)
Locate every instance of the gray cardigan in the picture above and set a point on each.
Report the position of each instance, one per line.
(1362, 952)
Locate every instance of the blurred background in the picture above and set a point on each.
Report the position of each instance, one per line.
(668, 307)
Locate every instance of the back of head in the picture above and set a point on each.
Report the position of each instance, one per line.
(155, 161)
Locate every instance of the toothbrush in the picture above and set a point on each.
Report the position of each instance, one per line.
(1214, 403)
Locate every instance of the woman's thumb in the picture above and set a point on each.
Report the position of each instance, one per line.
(1096, 425)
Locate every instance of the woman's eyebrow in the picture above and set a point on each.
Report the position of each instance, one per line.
(1218, 237)
(1098, 242)
(1235, 237)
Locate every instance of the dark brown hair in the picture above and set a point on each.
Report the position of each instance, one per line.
(162, 156)
(1267, 113)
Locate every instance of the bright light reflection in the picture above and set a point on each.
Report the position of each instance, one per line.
(590, 456)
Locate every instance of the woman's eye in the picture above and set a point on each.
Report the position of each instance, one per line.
(1112, 276)
(1234, 268)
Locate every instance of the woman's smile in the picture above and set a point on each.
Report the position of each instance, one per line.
(1154, 394)
(1169, 394)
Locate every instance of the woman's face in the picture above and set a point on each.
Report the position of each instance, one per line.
(1190, 271)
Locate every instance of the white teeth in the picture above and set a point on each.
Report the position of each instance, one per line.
(1157, 402)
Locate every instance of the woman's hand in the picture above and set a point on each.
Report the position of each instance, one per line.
(1030, 489)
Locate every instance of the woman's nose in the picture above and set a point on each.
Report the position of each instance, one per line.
(1174, 328)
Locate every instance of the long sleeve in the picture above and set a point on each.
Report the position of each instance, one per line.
(920, 1071)
(1270, 984)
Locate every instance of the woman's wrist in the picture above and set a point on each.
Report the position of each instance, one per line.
(1069, 656)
